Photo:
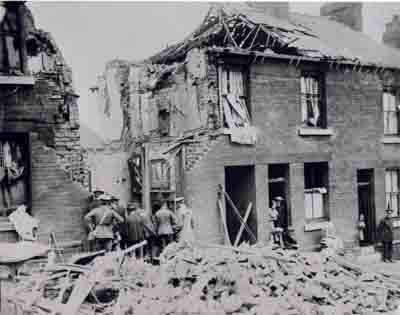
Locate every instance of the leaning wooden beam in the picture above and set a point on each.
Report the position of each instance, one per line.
(229, 33)
(254, 38)
(247, 36)
(239, 235)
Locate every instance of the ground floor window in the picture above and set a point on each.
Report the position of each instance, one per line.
(392, 190)
(316, 190)
(14, 172)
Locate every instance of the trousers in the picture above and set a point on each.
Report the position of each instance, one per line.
(387, 250)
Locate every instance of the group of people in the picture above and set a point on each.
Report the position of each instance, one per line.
(112, 226)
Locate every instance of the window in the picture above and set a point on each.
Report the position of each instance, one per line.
(390, 112)
(233, 97)
(316, 190)
(392, 190)
(313, 112)
(160, 174)
(163, 122)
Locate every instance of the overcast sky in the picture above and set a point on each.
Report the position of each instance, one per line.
(92, 33)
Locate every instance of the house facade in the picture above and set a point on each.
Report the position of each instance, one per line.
(41, 161)
(259, 102)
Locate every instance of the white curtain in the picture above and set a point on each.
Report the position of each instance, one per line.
(390, 113)
(310, 111)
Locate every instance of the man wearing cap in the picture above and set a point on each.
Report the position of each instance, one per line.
(185, 217)
(100, 221)
(165, 222)
(385, 230)
(135, 226)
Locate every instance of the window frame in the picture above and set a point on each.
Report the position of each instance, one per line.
(320, 77)
(390, 193)
(391, 90)
(317, 169)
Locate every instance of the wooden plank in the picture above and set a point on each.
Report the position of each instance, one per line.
(223, 217)
(239, 235)
(146, 179)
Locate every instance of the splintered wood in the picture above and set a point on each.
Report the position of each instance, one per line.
(212, 279)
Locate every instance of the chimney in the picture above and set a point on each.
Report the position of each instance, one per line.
(348, 13)
(277, 9)
(391, 36)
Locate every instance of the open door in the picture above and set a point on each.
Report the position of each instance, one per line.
(366, 204)
(278, 186)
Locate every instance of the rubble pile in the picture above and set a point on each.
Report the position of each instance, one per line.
(224, 280)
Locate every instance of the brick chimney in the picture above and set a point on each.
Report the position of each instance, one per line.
(277, 9)
(348, 13)
(391, 36)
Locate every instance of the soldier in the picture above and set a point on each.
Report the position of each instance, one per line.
(165, 221)
(385, 230)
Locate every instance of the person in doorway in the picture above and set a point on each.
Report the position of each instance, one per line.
(135, 227)
(282, 217)
(150, 234)
(165, 222)
(185, 216)
(100, 221)
(361, 228)
(274, 221)
(385, 230)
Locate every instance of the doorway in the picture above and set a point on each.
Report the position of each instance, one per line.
(366, 204)
(240, 187)
(278, 186)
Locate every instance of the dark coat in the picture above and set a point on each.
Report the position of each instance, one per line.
(165, 221)
(385, 230)
(135, 227)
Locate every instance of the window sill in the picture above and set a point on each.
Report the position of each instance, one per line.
(390, 139)
(17, 80)
(316, 225)
(306, 131)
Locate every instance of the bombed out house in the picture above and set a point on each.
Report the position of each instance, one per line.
(41, 162)
(260, 102)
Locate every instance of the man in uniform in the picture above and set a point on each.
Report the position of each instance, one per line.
(135, 227)
(385, 230)
(165, 222)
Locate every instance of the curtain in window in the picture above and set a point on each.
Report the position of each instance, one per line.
(390, 113)
(392, 190)
(310, 111)
(314, 205)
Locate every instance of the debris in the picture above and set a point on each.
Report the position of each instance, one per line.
(215, 279)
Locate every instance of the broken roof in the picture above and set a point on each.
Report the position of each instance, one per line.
(243, 28)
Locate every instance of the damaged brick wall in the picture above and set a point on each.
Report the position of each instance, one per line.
(48, 111)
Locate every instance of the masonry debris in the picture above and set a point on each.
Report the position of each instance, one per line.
(209, 279)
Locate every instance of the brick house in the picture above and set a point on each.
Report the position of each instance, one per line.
(260, 102)
(41, 161)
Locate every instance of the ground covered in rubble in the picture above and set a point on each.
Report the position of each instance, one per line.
(221, 280)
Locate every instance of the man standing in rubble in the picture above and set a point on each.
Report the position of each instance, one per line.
(185, 216)
(165, 222)
(100, 221)
(135, 226)
(385, 230)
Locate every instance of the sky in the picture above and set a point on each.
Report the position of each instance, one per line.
(91, 33)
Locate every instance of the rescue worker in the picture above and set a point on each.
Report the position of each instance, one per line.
(385, 230)
(150, 234)
(135, 227)
(185, 216)
(166, 222)
(100, 222)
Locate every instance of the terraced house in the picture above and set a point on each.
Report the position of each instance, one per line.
(260, 102)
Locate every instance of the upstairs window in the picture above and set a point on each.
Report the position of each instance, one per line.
(313, 113)
(392, 190)
(233, 96)
(316, 190)
(390, 112)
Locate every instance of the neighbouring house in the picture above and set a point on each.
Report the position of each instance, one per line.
(42, 164)
(260, 102)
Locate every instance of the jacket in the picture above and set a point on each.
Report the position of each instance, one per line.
(385, 230)
(101, 220)
(149, 228)
(135, 227)
(165, 221)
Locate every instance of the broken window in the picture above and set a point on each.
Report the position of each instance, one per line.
(233, 97)
(160, 174)
(163, 122)
(392, 190)
(316, 190)
(10, 41)
(135, 168)
(390, 112)
(312, 103)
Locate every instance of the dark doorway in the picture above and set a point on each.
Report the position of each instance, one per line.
(366, 204)
(240, 186)
(278, 186)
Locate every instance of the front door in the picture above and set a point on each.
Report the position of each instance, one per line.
(366, 205)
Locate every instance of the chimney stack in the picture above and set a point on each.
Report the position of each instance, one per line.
(391, 36)
(348, 13)
(277, 9)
